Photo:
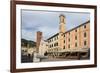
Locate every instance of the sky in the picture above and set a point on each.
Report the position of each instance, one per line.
(48, 22)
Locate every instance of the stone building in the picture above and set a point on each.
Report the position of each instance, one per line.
(76, 39)
(38, 40)
(65, 42)
(43, 47)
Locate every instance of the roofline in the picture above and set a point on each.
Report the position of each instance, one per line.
(53, 36)
(70, 29)
(78, 26)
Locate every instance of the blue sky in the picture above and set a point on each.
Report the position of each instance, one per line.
(48, 22)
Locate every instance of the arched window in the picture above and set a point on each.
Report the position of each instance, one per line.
(85, 43)
(84, 34)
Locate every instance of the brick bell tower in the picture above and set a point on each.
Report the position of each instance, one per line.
(61, 31)
(38, 40)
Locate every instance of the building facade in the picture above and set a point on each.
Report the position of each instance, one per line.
(76, 39)
(65, 42)
(43, 47)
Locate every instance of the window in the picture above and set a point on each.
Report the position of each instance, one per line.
(52, 45)
(69, 39)
(75, 37)
(57, 37)
(69, 33)
(57, 44)
(84, 43)
(75, 44)
(52, 39)
(48, 41)
(61, 34)
(84, 26)
(76, 30)
(85, 34)
(69, 46)
(64, 41)
(64, 47)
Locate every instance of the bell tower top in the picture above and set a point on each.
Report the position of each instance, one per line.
(62, 18)
(62, 24)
